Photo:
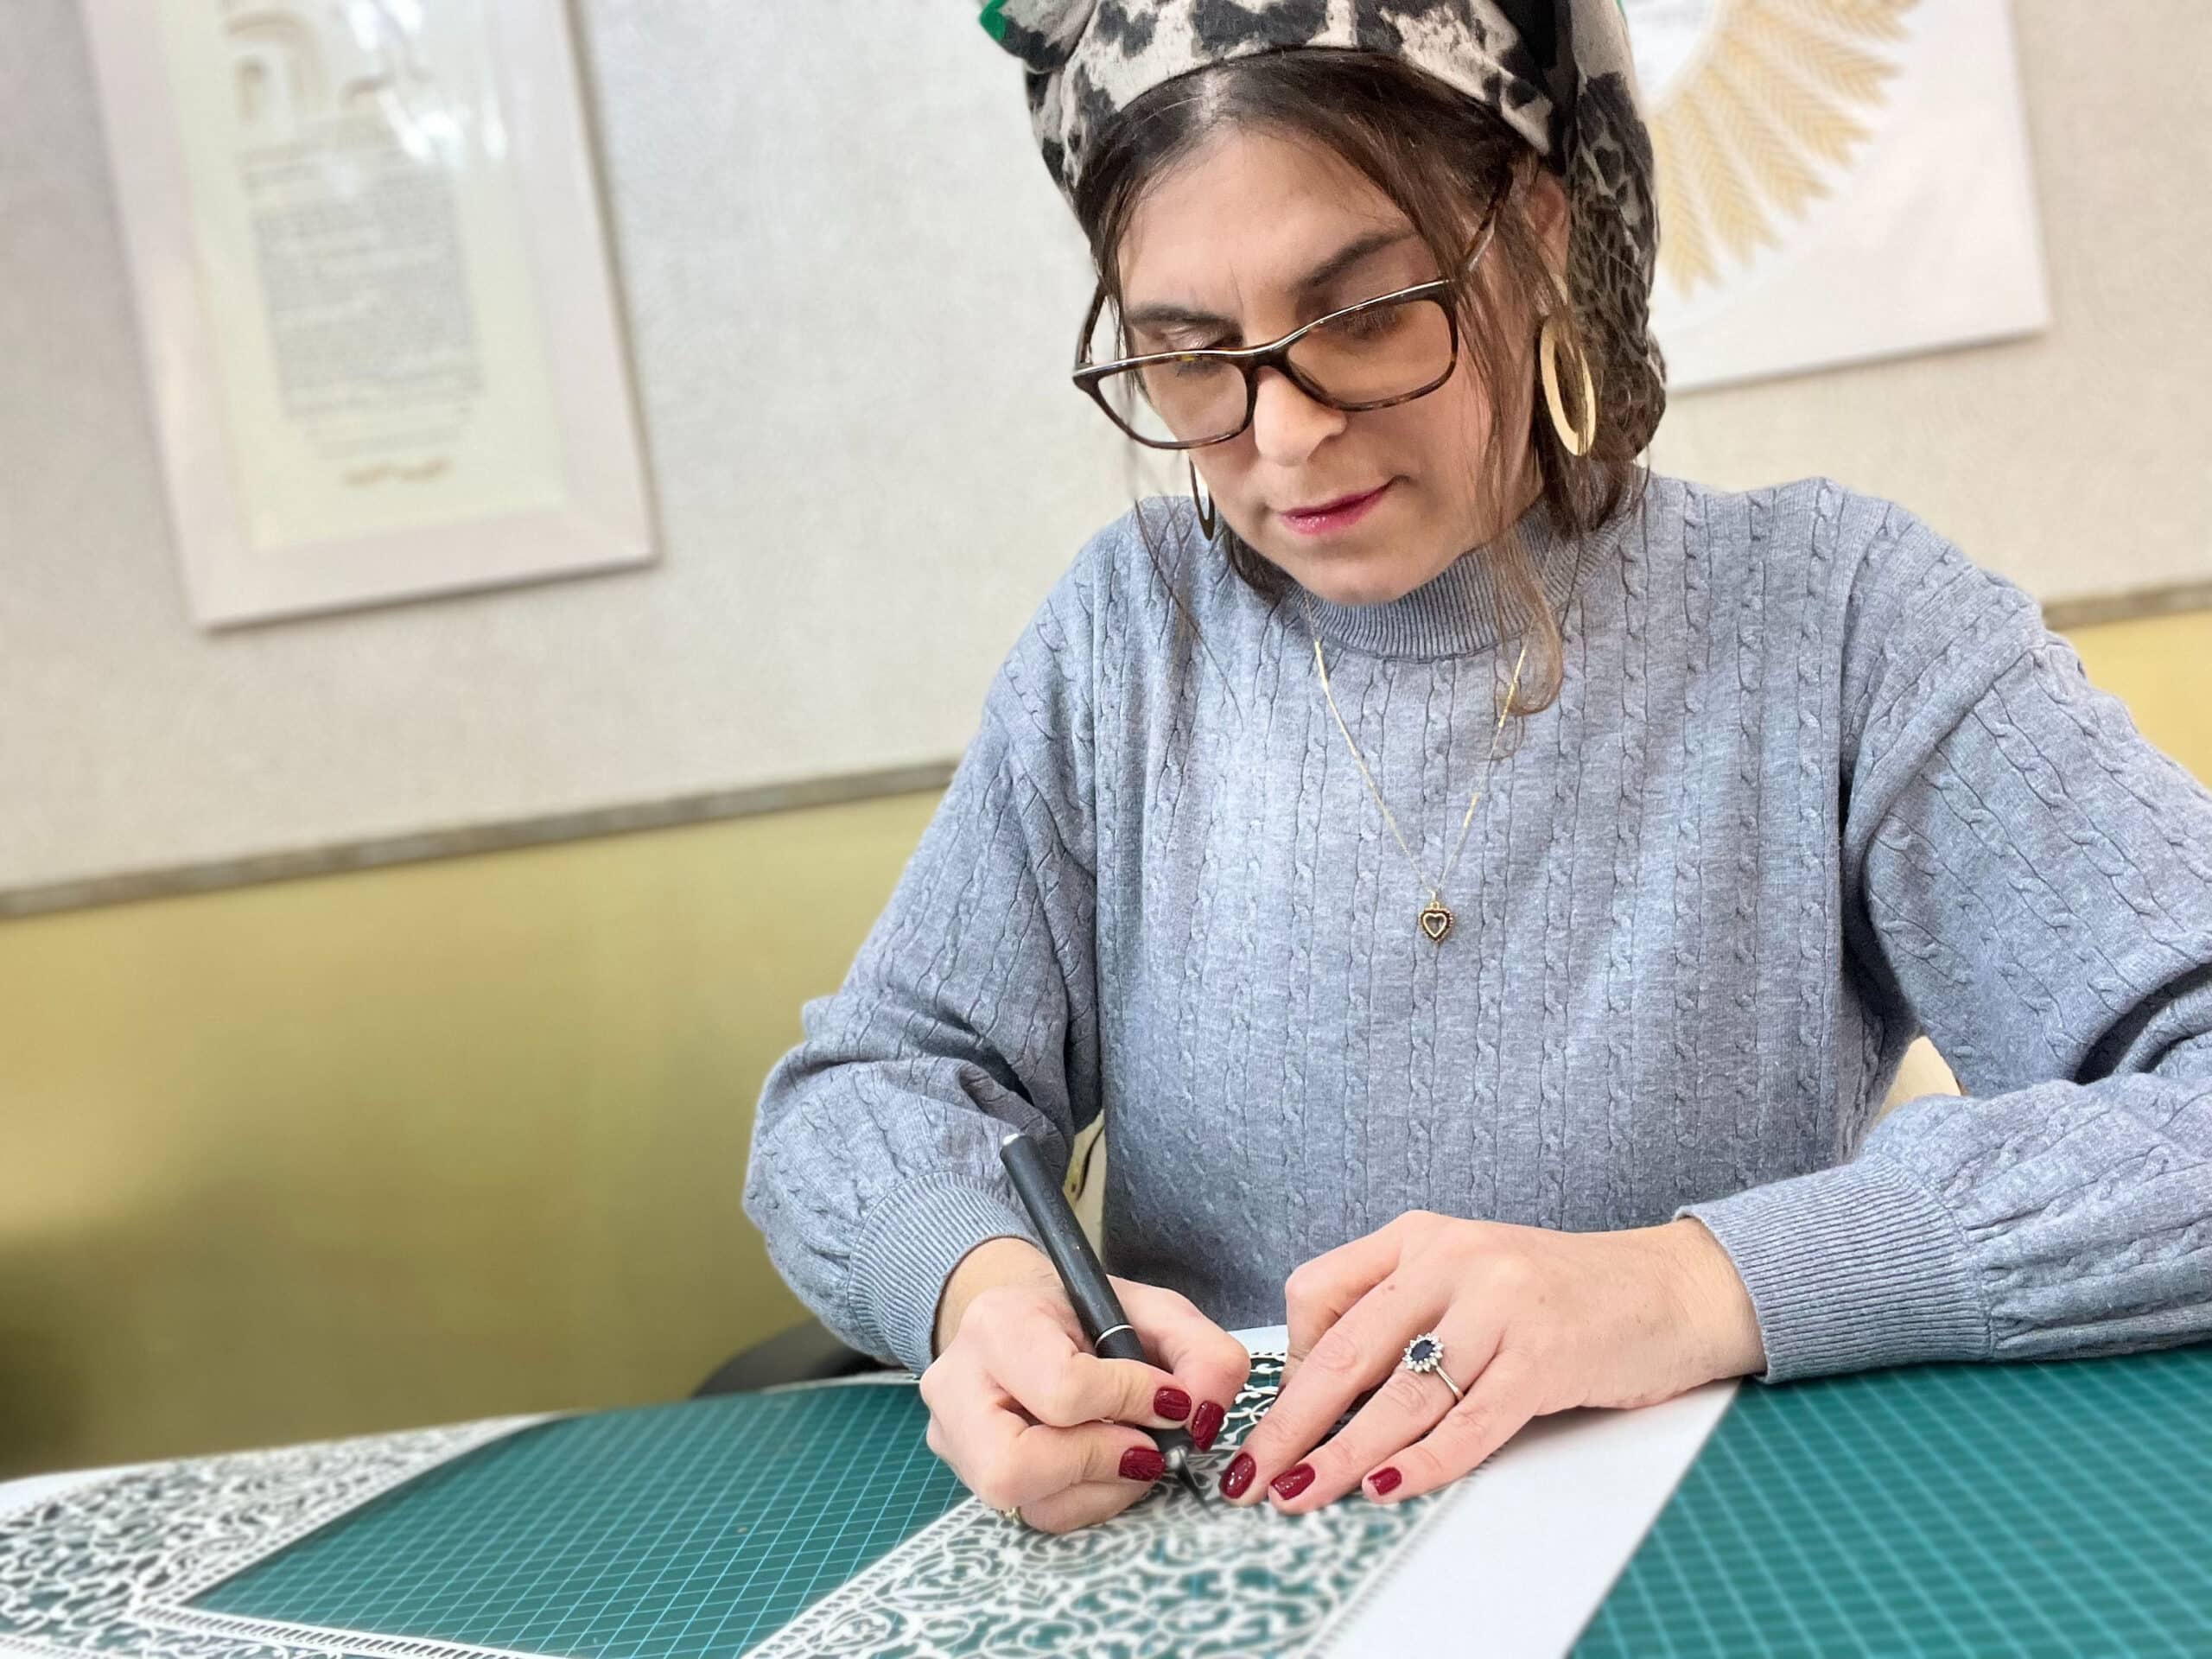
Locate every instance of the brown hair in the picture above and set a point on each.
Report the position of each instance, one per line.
(1442, 158)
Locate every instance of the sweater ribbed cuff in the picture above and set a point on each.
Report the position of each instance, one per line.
(1849, 1268)
(908, 1248)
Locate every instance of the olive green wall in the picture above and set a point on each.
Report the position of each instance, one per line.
(407, 1145)
(453, 1138)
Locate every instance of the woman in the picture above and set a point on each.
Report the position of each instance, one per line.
(1486, 890)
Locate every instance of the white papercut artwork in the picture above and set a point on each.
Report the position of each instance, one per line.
(380, 330)
(1532, 1541)
(1838, 180)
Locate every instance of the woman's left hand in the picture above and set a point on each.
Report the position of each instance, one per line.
(1532, 1321)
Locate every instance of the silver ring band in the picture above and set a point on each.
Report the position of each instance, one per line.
(1109, 1332)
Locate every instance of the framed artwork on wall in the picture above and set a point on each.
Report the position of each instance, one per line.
(380, 328)
(1838, 180)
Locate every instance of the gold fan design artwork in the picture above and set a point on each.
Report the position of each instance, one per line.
(1776, 100)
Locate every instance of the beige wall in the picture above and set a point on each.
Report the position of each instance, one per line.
(405, 1146)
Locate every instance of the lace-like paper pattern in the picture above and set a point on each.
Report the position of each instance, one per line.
(104, 1569)
(1166, 1576)
(110, 1569)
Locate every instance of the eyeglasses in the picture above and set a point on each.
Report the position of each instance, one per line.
(1391, 349)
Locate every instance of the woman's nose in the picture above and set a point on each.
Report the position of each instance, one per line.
(1286, 424)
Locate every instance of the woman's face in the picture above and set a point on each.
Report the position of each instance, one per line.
(1237, 233)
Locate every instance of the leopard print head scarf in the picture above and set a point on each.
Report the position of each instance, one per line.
(1557, 71)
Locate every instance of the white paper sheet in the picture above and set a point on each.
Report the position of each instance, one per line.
(1522, 1559)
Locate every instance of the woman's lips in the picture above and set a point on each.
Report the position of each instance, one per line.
(1340, 514)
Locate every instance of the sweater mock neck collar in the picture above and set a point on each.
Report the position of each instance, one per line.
(1461, 612)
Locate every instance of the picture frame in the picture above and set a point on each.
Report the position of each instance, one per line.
(381, 334)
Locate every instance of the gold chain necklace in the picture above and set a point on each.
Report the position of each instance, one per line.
(1435, 921)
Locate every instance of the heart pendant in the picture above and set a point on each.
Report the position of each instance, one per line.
(1436, 922)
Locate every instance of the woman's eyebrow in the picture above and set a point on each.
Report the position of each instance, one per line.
(1165, 313)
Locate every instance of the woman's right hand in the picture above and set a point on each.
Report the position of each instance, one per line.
(1030, 1419)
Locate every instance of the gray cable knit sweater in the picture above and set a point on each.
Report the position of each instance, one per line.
(1815, 782)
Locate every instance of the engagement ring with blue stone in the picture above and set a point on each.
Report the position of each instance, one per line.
(1426, 1353)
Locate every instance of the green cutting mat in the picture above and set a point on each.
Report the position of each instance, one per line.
(2002, 1510)
(691, 1530)
(1968, 1510)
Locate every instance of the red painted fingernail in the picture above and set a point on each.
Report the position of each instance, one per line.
(1289, 1484)
(1384, 1481)
(1207, 1424)
(1172, 1403)
(1143, 1463)
(1239, 1475)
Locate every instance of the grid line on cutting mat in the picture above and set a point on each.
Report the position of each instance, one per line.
(2001, 1509)
(708, 1525)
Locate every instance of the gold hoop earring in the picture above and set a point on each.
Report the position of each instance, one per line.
(1575, 437)
(1204, 509)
